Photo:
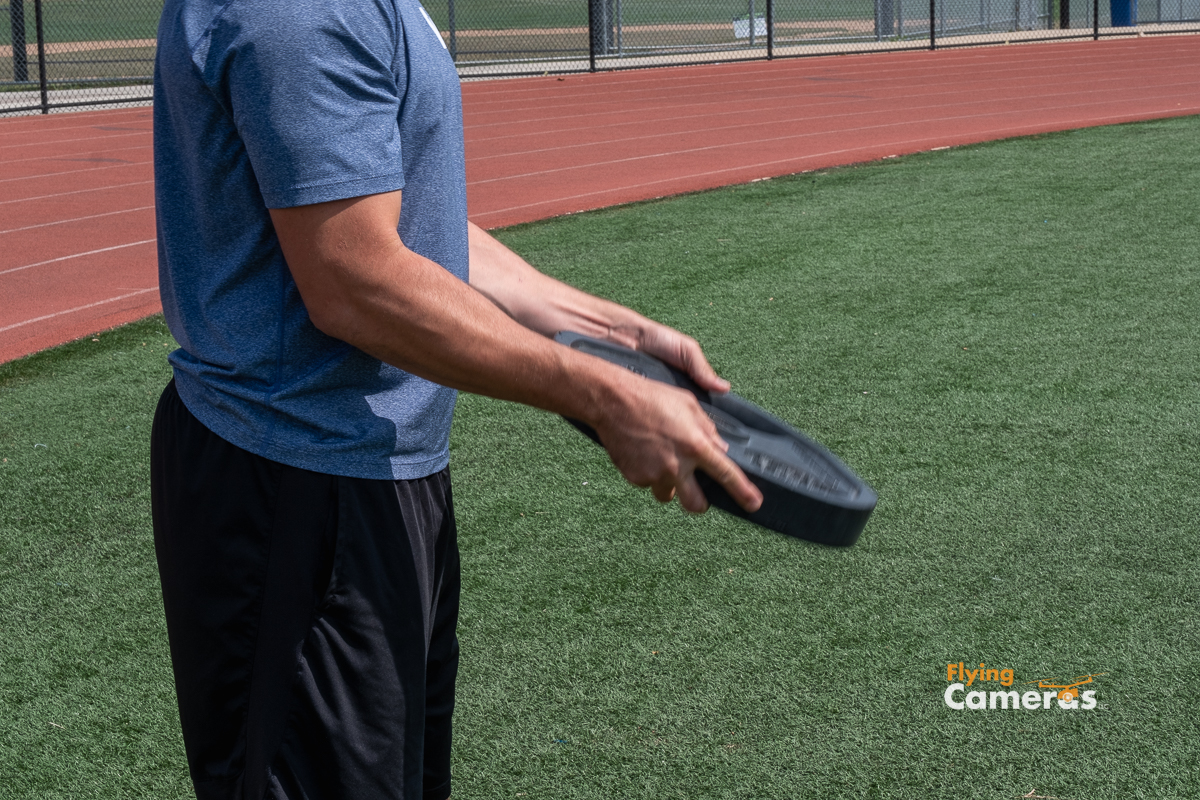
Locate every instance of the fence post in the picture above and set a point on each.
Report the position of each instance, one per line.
(932, 24)
(16, 17)
(885, 19)
(620, 42)
(1064, 14)
(592, 35)
(1095, 20)
(770, 29)
(453, 33)
(600, 29)
(41, 45)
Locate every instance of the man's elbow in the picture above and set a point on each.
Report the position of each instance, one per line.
(326, 320)
(330, 313)
(327, 291)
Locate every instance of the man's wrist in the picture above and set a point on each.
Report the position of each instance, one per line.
(593, 390)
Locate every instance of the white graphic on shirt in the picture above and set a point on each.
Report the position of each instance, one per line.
(436, 32)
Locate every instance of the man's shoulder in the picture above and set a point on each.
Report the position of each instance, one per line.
(219, 25)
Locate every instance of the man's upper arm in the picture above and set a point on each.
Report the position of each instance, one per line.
(312, 89)
(335, 249)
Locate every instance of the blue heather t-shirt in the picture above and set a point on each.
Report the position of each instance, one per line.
(276, 103)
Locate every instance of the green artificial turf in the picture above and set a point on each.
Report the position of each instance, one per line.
(87, 707)
(1000, 338)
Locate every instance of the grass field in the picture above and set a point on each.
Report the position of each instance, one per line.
(87, 20)
(1000, 338)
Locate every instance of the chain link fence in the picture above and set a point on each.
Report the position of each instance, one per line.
(65, 53)
(523, 37)
(68, 53)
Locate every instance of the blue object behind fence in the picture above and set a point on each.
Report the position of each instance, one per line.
(1124, 13)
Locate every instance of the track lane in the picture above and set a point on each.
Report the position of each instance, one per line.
(24, 249)
(92, 291)
(665, 136)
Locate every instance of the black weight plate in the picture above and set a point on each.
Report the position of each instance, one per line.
(807, 491)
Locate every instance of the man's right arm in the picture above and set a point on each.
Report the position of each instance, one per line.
(362, 285)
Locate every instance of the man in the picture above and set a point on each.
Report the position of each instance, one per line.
(314, 264)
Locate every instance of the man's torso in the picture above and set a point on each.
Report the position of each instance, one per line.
(271, 104)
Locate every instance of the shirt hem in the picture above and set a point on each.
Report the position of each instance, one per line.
(324, 193)
(388, 467)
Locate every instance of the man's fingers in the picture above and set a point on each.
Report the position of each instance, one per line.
(663, 492)
(684, 353)
(722, 469)
(691, 496)
(698, 368)
(665, 438)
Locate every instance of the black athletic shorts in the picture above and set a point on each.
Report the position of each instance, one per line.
(311, 620)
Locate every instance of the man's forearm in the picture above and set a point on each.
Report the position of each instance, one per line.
(548, 306)
(542, 303)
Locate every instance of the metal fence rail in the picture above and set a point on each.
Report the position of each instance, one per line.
(68, 53)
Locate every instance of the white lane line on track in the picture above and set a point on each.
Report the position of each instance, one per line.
(76, 191)
(91, 155)
(77, 308)
(57, 142)
(792, 161)
(76, 219)
(45, 175)
(767, 124)
(992, 134)
(932, 75)
(101, 118)
(805, 103)
(77, 255)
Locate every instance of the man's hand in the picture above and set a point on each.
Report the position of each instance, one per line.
(658, 436)
(664, 439)
(362, 285)
(679, 350)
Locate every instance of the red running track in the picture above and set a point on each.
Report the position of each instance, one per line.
(77, 250)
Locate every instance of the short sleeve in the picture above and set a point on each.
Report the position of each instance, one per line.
(314, 94)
